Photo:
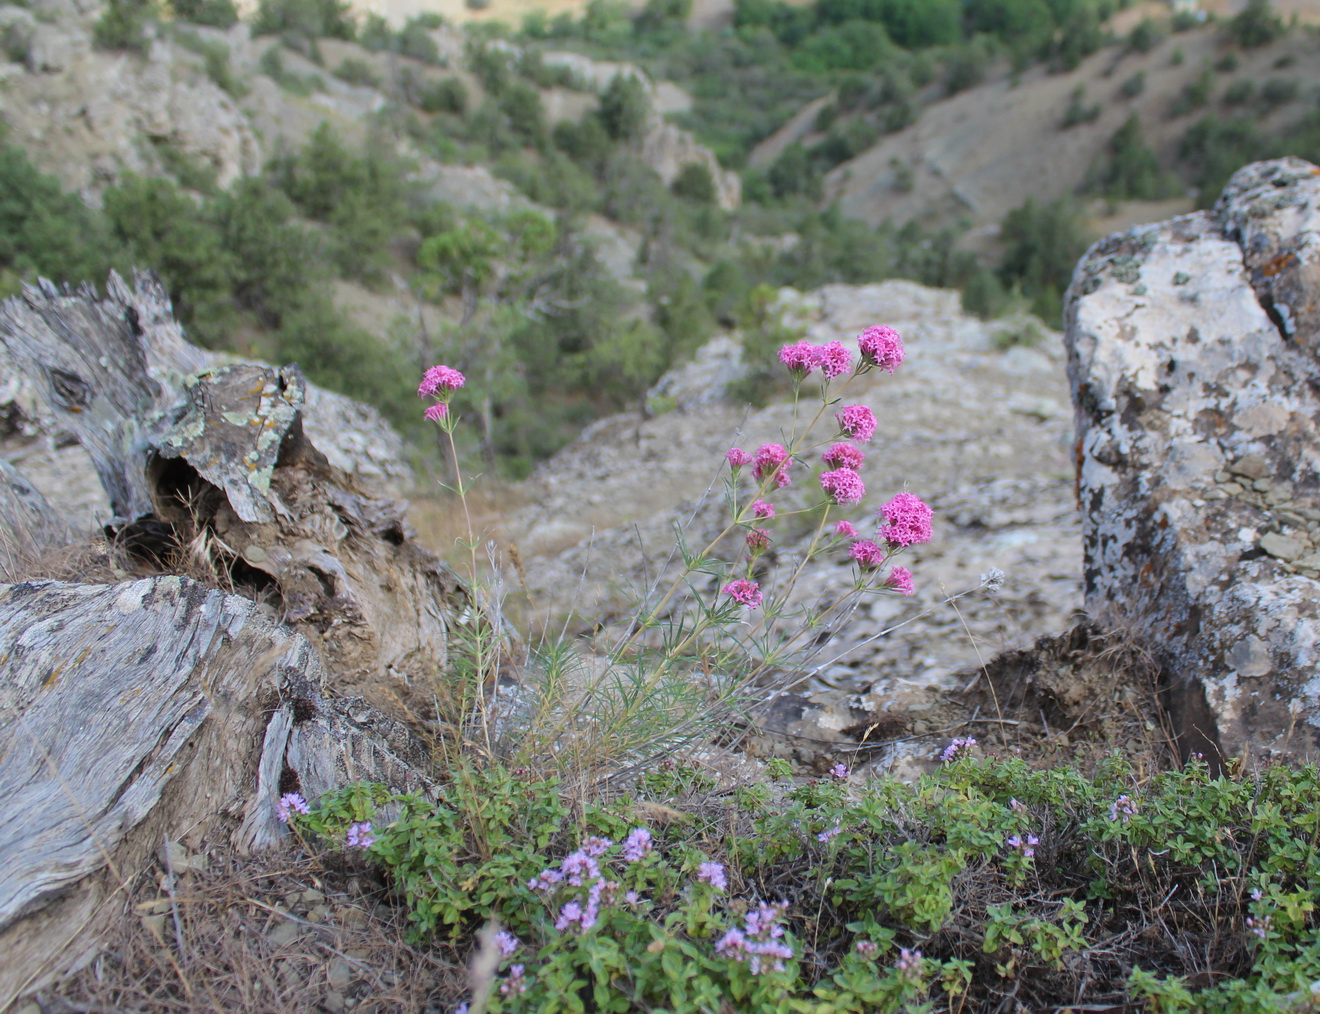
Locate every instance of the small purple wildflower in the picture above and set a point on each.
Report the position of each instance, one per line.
(957, 748)
(1015, 806)
(570, 914)
(1256, 894)
(1260, 927)
(737, 457)
(596, 847)
(763, 510)
(909, 963)
(758, 540)
(360, 836)
(866, 948)
(508, 942)
(545, 880)
(637, 844)
(462, 1008)
(713, 874)
(760, 942)
(632, 898)
(1026, 847)
(840, 771)
(290, 802)
(1122, 807)
(829, 833)
(516, 984)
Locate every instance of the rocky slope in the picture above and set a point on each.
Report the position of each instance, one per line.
(982, 433)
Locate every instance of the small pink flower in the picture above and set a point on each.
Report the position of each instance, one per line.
(900, 580)
(844, 455)
(843, 486)
(737, 457)
(508, 943)
(360, 836)
(834, 360)
(839, 771)
(829, 833)
(857, 421)
(746, 593)
(956, 748)
(868, 555)
(440, 381)
(800, 358)
(713, 874)
(516, 984)
(772, 459)
(907, 521)
(290, 802)
(845, 530)
(909, 963)
(758, 539)
(881, 346)
(436, 412)
(762, 509)
(866, 948)
(636, 845)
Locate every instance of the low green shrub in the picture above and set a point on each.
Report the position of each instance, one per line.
(987, 879)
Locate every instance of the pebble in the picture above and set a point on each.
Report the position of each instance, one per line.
(1282, 547)
(285, 933)
(339, 973)
(333, 1002)
(1253, 466)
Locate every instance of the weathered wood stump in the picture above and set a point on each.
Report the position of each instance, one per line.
(182, 704)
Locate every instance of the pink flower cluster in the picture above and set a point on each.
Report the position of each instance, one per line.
(636, 845)
(760, 943)
(1122, 807)
(803, 358)
(881, 347)
(857, 421)
(900, 580)
(744, 592)
(843, 455)
(773, 460)
(758, 540)
(958, 747)
(909, 963)
(868, 555)
(737, 457)
(579, 869)
(763, 510)
(439, 382)
(907, 521)
(845, 530)
(843, 486)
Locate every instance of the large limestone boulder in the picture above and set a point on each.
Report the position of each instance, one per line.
(1192, 354)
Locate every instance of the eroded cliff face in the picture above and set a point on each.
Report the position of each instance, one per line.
(1192, 350)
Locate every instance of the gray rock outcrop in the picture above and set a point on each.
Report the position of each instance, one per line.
(1192, 350)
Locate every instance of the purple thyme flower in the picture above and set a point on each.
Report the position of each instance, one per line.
(760, 942)
(290, 802)
(516, 984)
(545, 880)
(1027, 848)
(866, 948)
(360, 836)
(596, 847)
(956, 748)
(508, 942)
(713, 874)
(909, 963)
(1122, 807)
(840, 771)
(637, 844)
(829, 833)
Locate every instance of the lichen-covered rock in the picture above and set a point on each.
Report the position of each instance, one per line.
(1192, 358)
(144, 711)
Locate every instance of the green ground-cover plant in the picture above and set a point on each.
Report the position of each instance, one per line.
(983, 881)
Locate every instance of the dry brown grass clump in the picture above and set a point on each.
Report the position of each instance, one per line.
(280, 933)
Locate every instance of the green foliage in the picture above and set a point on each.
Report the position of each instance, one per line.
(1195, 95)
(1042, 243)
(215, 13)
(46, 232)
(1078, 111)
(357, 72)
(272, 65)
(1213, 149)
(126, 24)
(414, 40)
(447, 95)
(624, 107)
(1255, 25)
(1129, 169)
(305, 19)
(967, 65)
(1146, 35)
(166, 231)
(361, 196)
(899, 897)
(1133, 86)
(695, 183)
